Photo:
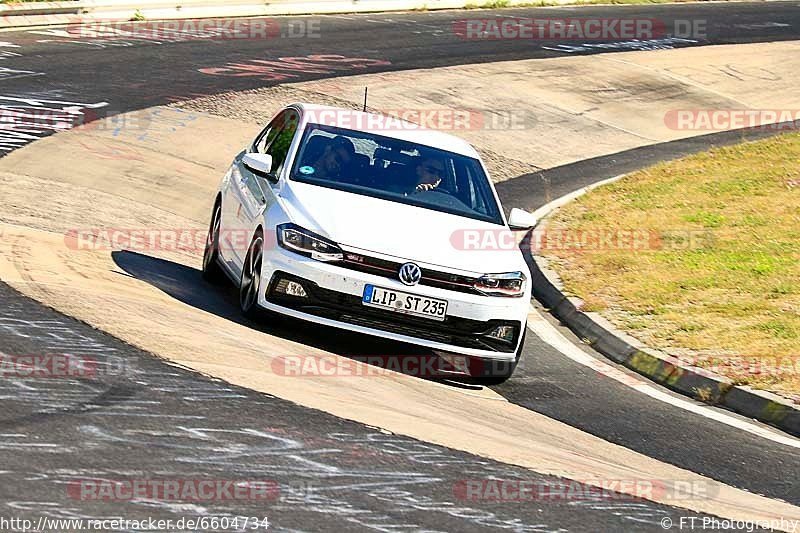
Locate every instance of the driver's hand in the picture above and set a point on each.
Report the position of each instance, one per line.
(427, 186)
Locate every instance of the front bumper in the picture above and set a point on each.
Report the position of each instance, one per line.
(333, 298)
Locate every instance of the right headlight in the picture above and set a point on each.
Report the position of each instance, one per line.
(307, 243)
(510, 284)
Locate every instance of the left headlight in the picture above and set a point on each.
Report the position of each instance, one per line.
(302, 241)
(508, 284)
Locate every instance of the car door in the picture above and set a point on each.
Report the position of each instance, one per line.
(251, 194)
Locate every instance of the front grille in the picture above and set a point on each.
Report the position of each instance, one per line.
(389, 269)
(348, 308)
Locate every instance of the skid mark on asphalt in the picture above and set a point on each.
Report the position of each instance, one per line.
(12, 73)
(549, 334)
(667, 43)
(24, 119)
(285, 68)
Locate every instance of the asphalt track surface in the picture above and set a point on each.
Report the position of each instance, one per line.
(141, 418)
(333, 474)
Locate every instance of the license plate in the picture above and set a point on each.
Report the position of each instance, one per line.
(403, 302)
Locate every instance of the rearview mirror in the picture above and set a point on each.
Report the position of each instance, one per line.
(259, 164)
(520, 219)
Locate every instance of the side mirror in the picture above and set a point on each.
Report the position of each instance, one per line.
(259, 164)
(520, 219)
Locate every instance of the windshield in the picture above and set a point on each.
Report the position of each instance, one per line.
(396, 170)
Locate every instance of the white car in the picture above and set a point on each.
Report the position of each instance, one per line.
(348, 219)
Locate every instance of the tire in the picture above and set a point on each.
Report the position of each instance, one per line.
(212, 271)
(250, 284)
(489, 373)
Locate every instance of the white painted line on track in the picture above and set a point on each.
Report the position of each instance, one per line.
(549, 334)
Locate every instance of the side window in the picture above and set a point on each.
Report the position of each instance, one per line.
(278, 146)
(268, 134)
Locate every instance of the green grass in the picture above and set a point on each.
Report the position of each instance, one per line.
(722, 278)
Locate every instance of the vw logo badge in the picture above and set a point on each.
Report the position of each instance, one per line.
(410, 274)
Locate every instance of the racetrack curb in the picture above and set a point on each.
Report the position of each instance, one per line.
(697, 383)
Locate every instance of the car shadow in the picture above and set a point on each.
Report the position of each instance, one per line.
(186, 285)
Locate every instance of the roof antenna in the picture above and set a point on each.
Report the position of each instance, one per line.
(365, 99)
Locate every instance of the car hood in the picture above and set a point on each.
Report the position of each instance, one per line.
(403, 231)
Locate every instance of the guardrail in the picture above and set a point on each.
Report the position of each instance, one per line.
(45, 13)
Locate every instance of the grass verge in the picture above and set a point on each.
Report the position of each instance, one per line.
(698, 257)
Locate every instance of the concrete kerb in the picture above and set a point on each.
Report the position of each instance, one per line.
(697, 383)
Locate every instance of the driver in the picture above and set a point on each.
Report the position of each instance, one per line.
(337, 155)
(429, 172)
